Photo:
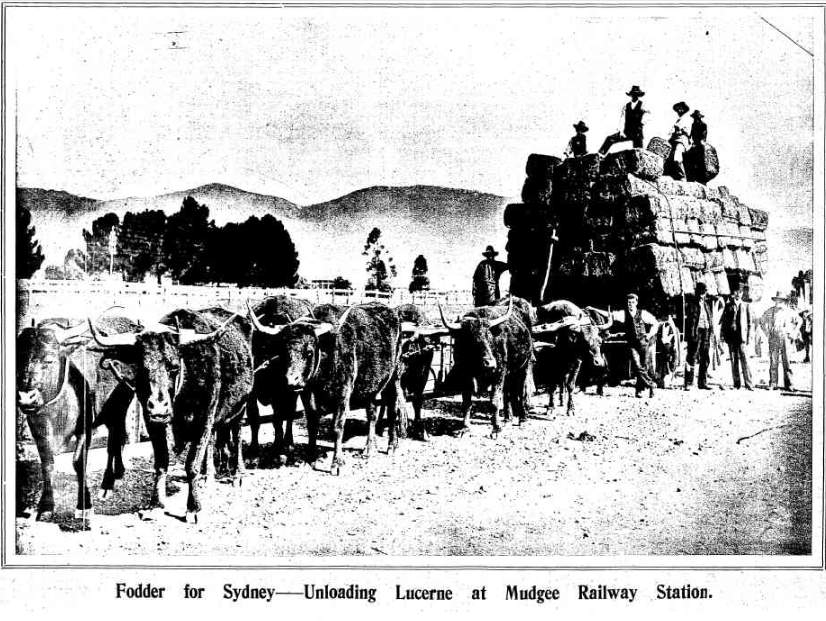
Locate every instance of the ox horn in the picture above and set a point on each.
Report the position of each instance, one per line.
(64, 335)
(449, 326)
(505, 317)
(343, 317)
(272, 331)
(556, 325)
(409, 328)
(187, 338)
(116, 340)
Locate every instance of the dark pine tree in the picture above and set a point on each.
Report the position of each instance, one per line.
(29, 254)
(140, 244)
(420, 280)
(183, 249)
(97, 243)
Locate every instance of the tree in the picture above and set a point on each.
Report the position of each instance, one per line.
(258, 252)
(29, 254)
(183, 249)
(341, 283)
(140, 244)
(420, 280)
(380, 267)
(97, 243)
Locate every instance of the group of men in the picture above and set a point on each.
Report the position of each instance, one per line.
(684, 134)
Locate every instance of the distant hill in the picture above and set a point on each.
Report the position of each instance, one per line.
(449, 226)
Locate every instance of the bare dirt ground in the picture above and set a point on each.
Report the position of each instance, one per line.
(698, 472)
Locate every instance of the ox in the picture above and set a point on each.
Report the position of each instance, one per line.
(273, 311)
(60, 403)
(574, 338)
(193, 370)
(340, 366)
(492, 349)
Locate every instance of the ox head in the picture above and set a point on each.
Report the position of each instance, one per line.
(474, 338)
(578, 335)
(43, 364)
(293, 352)
(157, 353)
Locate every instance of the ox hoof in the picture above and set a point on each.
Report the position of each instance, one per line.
(44, 515)
(463, 431)
(104, 493)
(84, 514)
(191, 517)
(150, 515)
(237, 481)
(494, 434)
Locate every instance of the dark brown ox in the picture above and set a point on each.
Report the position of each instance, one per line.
(277, 310)
(64, 396)
(571, 336)
(193, 370)
(340, 366)
(491, 349)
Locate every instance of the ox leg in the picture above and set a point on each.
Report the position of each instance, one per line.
(41, 428)
(289, 444)
(397, 420)
(467, 402)
(339, 420)
(518, 395)
(254, 422)
(573, 373)
(370, 447)
(239, 468)
(381, 421)
(83, 510)
(195, 464)
(160, 448)
(497, 400)
(418, 422)
(113, 415)
(312, 415)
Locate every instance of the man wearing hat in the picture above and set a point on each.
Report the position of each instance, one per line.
(631, 122)
(778, 323)
(699, 129)
(576, 145)
(737, 334)
(680, 137)
(698, 329)
(486, 278)
(639, 327)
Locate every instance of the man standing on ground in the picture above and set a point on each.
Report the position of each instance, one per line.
(778, 323)
(486, 278)
(639, 328)
(631, 122)
(698, 328)
(737, 333)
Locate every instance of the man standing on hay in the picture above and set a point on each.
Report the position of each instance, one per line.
(680, 138)
(486, 278)
(778, 324)
(698, 329)
(639, 327)
(577, 145)
(632, 122)
(737, 323)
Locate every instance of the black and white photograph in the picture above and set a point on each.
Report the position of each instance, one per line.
(523, 285)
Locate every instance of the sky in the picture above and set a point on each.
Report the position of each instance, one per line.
(310, 104)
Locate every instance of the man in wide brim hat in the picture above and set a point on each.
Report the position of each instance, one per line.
(578, 145)
(631, 122)
(698, 332)
(486, 278)
(680, 107)
(699, 130)
(680, 140)
(779, 323)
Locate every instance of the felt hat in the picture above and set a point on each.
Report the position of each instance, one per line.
(635, 90)
(701, 288)
(632, 296)
(581, 127)
(490, 252)
(697, 114)
(779, 296)
(680, 105)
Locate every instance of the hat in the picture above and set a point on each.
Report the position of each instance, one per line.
(632, 296)
(680, 105)
(581, 127)
(697, 114)
(701, 288)
(489, 252)
(635, 90)
(779, 296)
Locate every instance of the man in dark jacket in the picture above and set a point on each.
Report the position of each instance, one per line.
(737, 322)
(632, 122)
(577, 145)
(638, 327)
(486, 278)
(699, 130)
(698, 328)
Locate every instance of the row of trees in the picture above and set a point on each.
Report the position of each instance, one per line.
(188, 247)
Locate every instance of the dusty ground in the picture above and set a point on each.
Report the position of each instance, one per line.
(699, 472)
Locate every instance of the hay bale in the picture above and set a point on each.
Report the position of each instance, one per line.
(637, 162)
(701, 163)
(754, 288)
(745, 261)
(759, 219)
(721, 279)
(541, 167)
(659, 146)
(710, 212)
(714, 260)
(672, 187)
(531, 216)
(577, 170)
(537, 190)
(706, 277)
(729, 259)
(693, 257)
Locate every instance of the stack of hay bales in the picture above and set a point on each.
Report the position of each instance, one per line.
(623, 226)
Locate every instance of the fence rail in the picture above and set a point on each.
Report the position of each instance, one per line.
(39, 299)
